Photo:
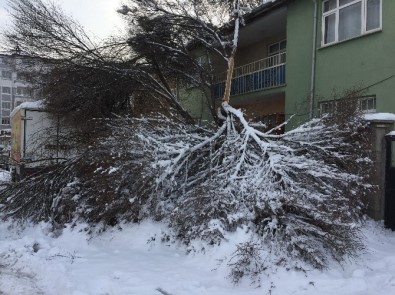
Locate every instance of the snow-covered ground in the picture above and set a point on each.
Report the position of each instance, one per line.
(4, 175)
(34, 261)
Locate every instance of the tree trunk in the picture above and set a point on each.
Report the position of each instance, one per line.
(231, 60)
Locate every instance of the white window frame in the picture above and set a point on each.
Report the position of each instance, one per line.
(336, 11)
(6, 105)
(6, 87)
(368, 99)
(279, 47)
(23, 91)
(8, 76)
(5, 121)
(326, 105)
(333, 105)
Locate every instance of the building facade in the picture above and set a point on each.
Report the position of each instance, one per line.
(14, 87)
(295, 57)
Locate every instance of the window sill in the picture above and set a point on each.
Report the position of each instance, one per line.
(323, 46)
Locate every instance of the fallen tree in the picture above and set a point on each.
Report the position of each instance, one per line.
(300, 194)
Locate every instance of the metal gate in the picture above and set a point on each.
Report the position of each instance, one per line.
(389, 211)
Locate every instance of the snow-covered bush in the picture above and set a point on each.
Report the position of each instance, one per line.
(299, 195)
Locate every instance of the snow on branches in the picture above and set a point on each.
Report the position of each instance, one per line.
(299, 195)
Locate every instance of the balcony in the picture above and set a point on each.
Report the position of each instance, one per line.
(259, 75)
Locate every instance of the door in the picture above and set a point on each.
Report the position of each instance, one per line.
(389, 211)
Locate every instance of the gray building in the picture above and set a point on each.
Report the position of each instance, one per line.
(14, 87)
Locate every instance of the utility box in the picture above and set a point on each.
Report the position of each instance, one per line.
(35, 140)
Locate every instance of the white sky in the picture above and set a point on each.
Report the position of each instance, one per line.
(98, 17)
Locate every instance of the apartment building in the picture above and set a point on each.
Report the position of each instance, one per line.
(14, 87)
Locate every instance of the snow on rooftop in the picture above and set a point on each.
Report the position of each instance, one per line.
(4, 175)
(30, 105)
(380, 117)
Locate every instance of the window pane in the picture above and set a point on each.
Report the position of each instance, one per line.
(371, 105)
(329, 5)
(274, 48)
(364, 105)
(373, 15)
(6, 105)
(344, 2)
(350, 22)
(330, 22)
(283, 45)
(5, 121)
(6, 74)
(6, 90)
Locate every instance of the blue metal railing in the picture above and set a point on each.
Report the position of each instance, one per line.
(260, 74)
(265, 78)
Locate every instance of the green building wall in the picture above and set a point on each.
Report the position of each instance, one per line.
(300, 15)
(366, 61)
(196, 103)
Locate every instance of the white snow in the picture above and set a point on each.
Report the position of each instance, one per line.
(30, 105)
(392, 133)
(4, 175)
(380, 117)
(33, 261)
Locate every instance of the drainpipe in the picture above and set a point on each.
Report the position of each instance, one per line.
(313, 61)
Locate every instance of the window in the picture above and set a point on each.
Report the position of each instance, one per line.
(5, 121)
(6, 90)
(6, 74)
(20, 77)
(277, 47)
(22, 91)
(364, 104)
(5, 113)
(346, 19)
(5, 132)
(327, 108)
(6, 105)
(274, 52)
(23, 77)
(367, 104)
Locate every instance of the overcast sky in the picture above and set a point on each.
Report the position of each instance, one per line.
(98, 17)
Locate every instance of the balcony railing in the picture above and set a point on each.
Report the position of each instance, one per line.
(258, 75)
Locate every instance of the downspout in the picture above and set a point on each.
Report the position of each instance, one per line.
(313, 61)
